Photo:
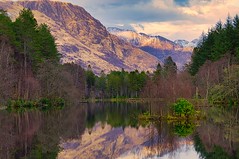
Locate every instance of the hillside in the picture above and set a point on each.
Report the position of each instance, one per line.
(82, 39)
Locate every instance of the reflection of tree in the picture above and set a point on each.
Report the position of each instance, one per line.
(216, 153)
(115, 114)
(219, 135)
(184, 128)
(162, 139)
(36, 134)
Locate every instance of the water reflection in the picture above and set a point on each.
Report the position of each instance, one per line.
(114, 114)
(37, 134)
(112, 130)
(218, 136)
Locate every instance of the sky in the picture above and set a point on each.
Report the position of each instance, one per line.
(173, 19)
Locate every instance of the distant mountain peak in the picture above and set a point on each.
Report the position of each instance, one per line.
(185, 43)
(182, 43)
(158, 46)
(82, 39)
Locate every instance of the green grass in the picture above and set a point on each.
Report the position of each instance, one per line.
(129, 100)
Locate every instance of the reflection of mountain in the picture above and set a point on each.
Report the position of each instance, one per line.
(112, 132)
(104, 141)
(185, 151)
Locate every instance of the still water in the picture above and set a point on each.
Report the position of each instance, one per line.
(112, 130)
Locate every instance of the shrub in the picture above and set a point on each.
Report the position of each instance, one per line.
(43, 104)
(183, 107)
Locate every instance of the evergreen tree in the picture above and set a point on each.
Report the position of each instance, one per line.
(90, 78)
(101, 83)
(46, 46)
(25, 29)
(220, 40)
(170, 66)
(6, 26)
(157, 72)
(236, 40)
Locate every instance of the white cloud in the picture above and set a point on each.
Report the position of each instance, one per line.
(200, 16)
(172, 30)
(163, 17)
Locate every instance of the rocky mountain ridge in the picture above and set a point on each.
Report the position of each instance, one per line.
(157, 46)
(185, 43)
(82, 39)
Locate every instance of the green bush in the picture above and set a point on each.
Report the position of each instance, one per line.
(183, 108)
(42, 104)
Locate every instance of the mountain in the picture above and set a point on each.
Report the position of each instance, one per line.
(157, 46)
(181, 42)
(82, 39)
(185, 43)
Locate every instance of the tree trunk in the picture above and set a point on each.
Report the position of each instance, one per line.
(208, 75)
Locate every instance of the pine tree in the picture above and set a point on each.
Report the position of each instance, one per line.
(46, 46)
(25, 29)
(6, 27)
(170, 67)
(157, 72)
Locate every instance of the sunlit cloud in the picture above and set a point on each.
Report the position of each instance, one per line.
(172, 30)
(174, 19)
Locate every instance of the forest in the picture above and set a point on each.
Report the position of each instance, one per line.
(30, 68)
(29, 63)
(212, 73)
(215, 62)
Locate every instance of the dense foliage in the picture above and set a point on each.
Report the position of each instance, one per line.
(227, 90)
(220, 40)
(117, 84)
(164, 82)
(183, 108)
(29, 62)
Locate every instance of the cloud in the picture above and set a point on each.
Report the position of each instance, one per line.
(173, 19)
(172, 30)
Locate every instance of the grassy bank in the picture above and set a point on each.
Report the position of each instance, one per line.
(129, 100)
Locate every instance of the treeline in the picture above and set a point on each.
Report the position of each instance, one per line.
(29, 62)
(116, 84)
(169, 83)
(30, 69)
(164, 82)
(215, 63)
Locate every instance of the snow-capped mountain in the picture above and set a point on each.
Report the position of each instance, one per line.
(158, 46)
(194, 42)
(141, 39)
(185, 43)
(181, 42)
